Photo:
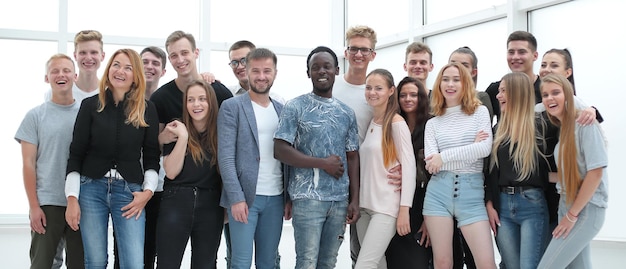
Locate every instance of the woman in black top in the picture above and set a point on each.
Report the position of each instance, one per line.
(516, 203)
(413, 250)
(113, 132)
(191, 193)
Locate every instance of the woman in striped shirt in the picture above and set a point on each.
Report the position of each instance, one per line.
(455, 143)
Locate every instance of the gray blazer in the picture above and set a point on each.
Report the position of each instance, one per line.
(238, 150)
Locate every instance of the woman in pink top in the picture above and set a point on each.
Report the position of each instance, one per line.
(387, 144)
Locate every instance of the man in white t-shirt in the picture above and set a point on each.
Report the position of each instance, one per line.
(253, 185)
(350, 89)
(89, 54)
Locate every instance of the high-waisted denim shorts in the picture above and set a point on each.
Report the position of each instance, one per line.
(461, 196)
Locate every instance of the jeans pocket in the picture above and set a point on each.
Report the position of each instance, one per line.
(598, 220)
(534, 196)
(477, 183)
(85, 180)
(132, 187)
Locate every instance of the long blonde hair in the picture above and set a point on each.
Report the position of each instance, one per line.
(517, 125)
(469, 101)
(135, 97)
(392, 109)
(567, 165)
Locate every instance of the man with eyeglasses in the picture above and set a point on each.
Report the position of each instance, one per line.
(350, 89)
(237, 55)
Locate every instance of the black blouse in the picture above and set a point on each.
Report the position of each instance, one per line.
(103, 140)
(204, 175)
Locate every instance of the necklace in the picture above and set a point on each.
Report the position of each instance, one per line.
(375, 121)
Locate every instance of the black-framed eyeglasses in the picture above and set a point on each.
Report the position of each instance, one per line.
(235, 63)
(364, 51)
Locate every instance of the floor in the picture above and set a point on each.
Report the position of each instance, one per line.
(15, 241)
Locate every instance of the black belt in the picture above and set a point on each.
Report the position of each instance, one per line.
(517, 189)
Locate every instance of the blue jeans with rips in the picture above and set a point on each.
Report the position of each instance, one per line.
(319, 228)
(99, 199)
(523, 227)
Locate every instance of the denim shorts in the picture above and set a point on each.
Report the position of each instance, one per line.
(461, 196)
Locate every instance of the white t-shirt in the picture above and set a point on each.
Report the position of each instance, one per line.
(354, 97)
(77, 93)
(270, 180)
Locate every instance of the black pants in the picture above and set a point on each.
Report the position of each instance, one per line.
(189, 212)
(404, 252)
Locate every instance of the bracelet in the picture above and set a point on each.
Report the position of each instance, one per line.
(570, 212)
(570, 220)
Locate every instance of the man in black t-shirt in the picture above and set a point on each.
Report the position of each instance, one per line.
(183, 54)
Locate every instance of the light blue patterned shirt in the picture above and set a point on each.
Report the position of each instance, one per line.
(318, 127)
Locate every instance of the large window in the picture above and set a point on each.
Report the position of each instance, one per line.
(32, 17)
(441, 10)
(23, 72)
(487, 40)
(147, 19)
(276, 23)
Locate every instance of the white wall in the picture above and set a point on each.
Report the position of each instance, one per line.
(593, 32)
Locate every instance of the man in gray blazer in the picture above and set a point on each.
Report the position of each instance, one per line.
(253, 192)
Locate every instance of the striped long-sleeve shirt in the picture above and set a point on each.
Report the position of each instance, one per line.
(453, 134)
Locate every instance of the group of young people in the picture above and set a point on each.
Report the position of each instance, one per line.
(422, 177)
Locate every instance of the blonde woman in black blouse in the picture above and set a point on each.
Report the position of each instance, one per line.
(114, 131)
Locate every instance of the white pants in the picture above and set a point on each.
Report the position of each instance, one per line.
(375, 231)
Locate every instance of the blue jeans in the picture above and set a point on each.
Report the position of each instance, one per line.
(523, 227)
(574, 251)
(189, 212)
(318, 228)
(99, 199)
(264, 227)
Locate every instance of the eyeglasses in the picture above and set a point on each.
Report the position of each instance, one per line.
(364, 51)
(235, 63)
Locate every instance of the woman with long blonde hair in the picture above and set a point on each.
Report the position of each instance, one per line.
(113, 163)
(455, 142)
(515, 192)
(384, 211)
(581, 158)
